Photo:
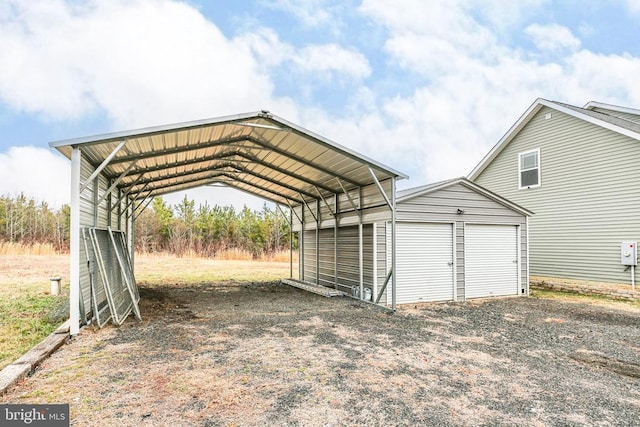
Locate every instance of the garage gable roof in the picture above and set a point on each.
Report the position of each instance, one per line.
(615, 124)
(408, 194)
(258, 153)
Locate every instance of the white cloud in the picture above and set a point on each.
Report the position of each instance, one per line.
(141, 62)
(36, 172)
(158, 61)
(633, 6)
(328, 60)
(552, 37)
(312, 13)
(474, 84)
(331, 58)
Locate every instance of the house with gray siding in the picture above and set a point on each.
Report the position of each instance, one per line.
(577, 168)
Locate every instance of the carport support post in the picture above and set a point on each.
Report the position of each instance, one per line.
(131, 235)
(317, 242)
(290, 243)
(393, 243)
(335, 242)
(74, 279)
(301, 243)
(360, 244)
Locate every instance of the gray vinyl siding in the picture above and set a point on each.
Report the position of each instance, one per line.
(327, 258)
(381, 253)
(309, 255)
(91, 216)
(588, 200)
(460, 264)
(442, 206)
(627, 116)
(348, 267)
(348, 256)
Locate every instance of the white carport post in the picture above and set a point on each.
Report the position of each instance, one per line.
(74, 280)
(360, 246)
(393, 243)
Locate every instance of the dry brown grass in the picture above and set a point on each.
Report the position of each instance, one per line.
(13, 248)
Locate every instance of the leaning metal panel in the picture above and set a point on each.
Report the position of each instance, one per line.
(126, 268)
(101, 313)
(115, 286)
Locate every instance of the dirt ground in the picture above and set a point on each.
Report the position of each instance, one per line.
(241, 353)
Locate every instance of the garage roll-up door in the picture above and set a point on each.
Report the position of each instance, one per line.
(491, 260)
(424, 262)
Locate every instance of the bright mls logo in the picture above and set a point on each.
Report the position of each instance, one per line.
(34, 415)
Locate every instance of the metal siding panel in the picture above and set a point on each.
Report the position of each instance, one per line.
(86, 220)
(492, 265)
(310, 256)
(327, 266)
(424, 262)
(348, 263)
(103, 185)
(460, 260)
(586, 198)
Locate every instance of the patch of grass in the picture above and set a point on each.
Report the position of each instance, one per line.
(586, 299)
(173, 270)
(27, 319)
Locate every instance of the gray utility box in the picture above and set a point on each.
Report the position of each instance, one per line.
(628, 253)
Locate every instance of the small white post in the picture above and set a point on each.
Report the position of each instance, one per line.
(55, 285)
(633, 277)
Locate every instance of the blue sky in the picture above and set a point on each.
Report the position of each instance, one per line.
(426, 87)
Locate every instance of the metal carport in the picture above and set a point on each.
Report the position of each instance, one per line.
(115, 176)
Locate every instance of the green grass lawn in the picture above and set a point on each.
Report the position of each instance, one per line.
(26, 319)
(28, 313)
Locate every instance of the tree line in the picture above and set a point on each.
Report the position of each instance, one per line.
(27, 221)
(206, 230)
(180, 229)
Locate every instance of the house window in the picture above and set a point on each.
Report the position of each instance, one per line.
(529, 164)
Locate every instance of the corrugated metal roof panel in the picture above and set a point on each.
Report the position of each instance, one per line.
(257, 153)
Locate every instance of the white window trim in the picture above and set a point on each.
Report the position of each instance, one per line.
(520, 187)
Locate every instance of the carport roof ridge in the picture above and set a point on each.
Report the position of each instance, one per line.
(258, 153)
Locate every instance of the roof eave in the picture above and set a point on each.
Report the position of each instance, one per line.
(153, 130)
(527, 116)
(595, 104)
(507, 137)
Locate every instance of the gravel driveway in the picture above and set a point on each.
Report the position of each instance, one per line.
(268, 354)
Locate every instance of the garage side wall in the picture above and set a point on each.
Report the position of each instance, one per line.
(94, 215)
(441, 206)
(348, 274)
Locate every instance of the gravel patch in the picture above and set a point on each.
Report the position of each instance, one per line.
(233, 353)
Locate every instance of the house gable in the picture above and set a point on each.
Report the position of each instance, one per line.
(588, 198)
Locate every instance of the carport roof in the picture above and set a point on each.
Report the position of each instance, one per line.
(258, 153)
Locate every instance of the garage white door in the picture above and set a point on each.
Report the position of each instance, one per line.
(424, 260)
(491, 260)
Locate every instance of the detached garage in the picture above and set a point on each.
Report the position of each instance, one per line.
(454, 241)
(457, 241)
